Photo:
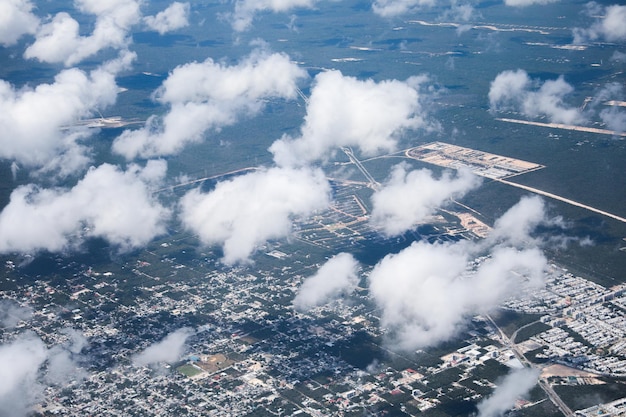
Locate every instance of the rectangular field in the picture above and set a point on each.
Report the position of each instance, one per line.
(481, 163)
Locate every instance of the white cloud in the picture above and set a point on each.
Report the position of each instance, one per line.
(167, 350)
(20, 362)
(31, 118)
(515, 91)
(525, 3)
(426, 296)
(460, 12)
(59, 40)
(16, 19)
(618, 56)
(514, 386)
(248, 210)
(107, 203)
(11, 313)
(337, 276)
(391, 8)
(63, 364)
(176, 16)
(408, 197)
(210, 95)
(426, 292)
(453, 9)
(612, 116)
(245, 10)
(344, 111)
(27, 366)
(515, 226)
(611, 27)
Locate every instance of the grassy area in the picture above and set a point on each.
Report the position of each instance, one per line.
(188, 370)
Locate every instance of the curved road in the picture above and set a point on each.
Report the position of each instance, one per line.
(544, 384)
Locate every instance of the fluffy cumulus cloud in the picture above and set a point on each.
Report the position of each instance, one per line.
(244, 212)
(16, 19)
(176, 16)
(426, 292)
(210, 95)
(345, 111)
(31, 119)
(516, 91)
(514, 386)
(167, 350)
(245, 10)
(107, 203)
(20, 362)
(408, 197)
(611, 27)
(337, 276)
(27, 366)
(59, 40)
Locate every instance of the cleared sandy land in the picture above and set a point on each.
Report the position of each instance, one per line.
(565, 371)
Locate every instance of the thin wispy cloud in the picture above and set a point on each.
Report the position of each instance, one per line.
(526, 3)
(167, 350)
(513, 387)
(245, 11)
(392, 8)
(339, 275)
(11, 313)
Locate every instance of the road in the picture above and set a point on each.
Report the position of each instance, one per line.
(566, 127)
(563, 199)
(375, 185)
(545, 386)
(199, 180)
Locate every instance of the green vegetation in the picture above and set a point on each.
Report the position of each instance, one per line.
(530, 331)
(578, 397)
(188, 370)
(444, 378)
(360, 351)
(509, 321)
(491, 370)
